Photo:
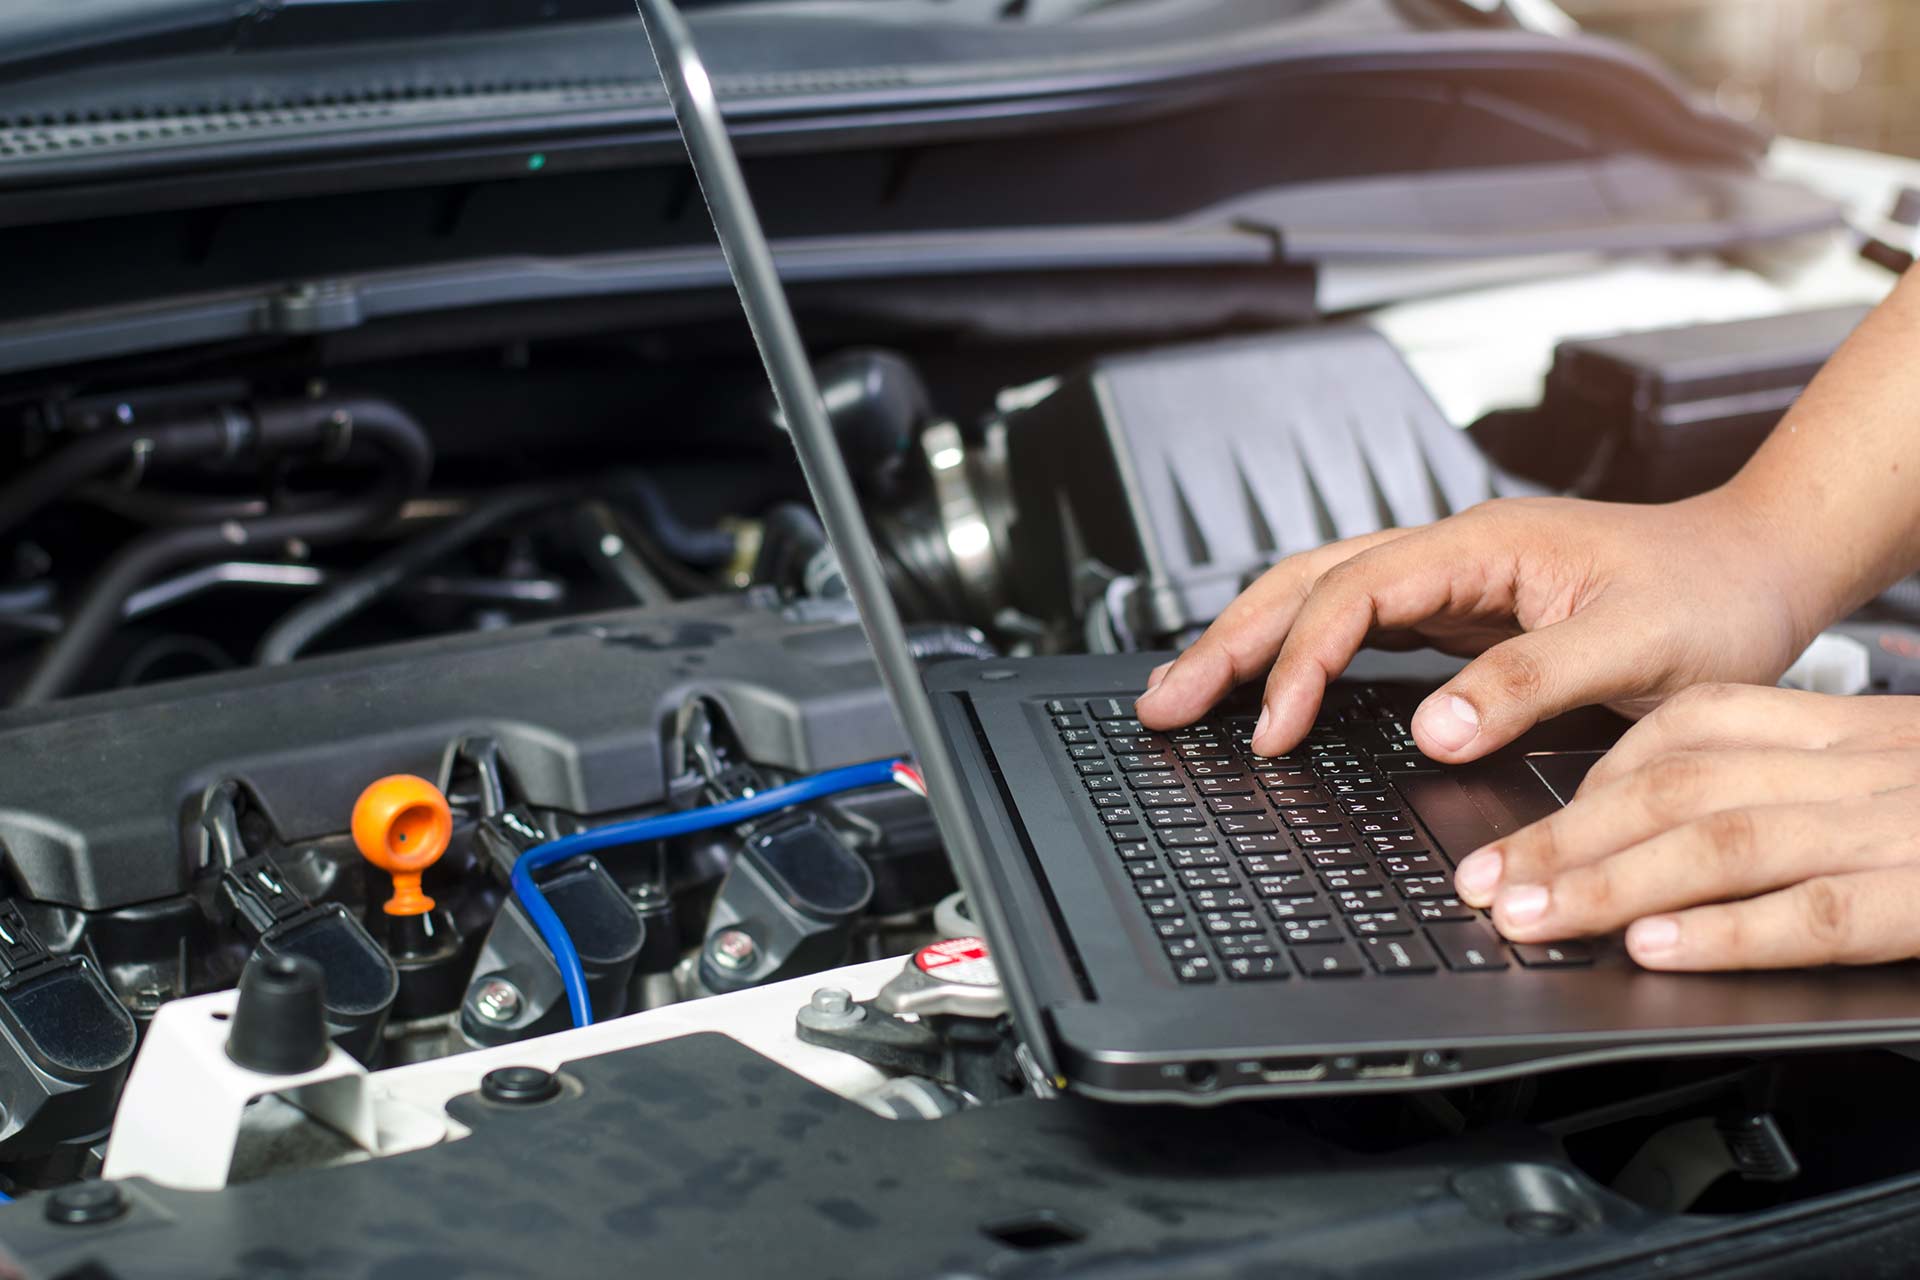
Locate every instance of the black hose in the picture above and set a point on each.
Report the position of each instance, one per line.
(352, 423)
(92, 455)
(301, 626)
(304, 624)
(931, 642)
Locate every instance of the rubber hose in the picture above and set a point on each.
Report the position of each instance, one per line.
(94, 454)
(382, 425)
(704, 547)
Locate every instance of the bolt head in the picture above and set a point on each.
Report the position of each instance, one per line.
(497, 1000)
(734, 949)
(832, 1000)
(85, 1204)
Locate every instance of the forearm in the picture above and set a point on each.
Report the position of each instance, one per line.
(1835, 490)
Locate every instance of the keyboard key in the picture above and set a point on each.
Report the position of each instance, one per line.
(1354, 784)
(1194, 969)
(1182, 859)
(1197, 751)
(1204, 769)
(1154, 887)
(1208, 878)
(1242, 824)
(1235, 804)
(1310, 931)
(1229, 922)
(1111, 708)
(1412, 887)
(1193, 733)
(1094, 769)
(1432, 909)
(1137, 762)
(1137, 743)
(1553, 955)
(1338, 761)
(1325, 837)
(1086, 751)
(1380, 923)
(1468, 947)
(1291, 797)
(1286, 886)
(1335, 881)
(1386, 822)
(1406, 762)
(1400, 842)
(1255, 969)
(1077, 737)
(1354, 902)
(1270, 842)
(1287, 779)
(1220, 900)
(1296, 908)
(1133, 850)
(1071, 722)
(1142, 870)
(1231, 785)
(1366, 806)
(1186, 838)
(1162, 797)
(1121, 728)
(1163, 908)
(1412, 864)
(1312, 815)
(1107, 799)
(1161, 819)
(1338, 960)
(1399, 955)
(1061, 707)
(1339, 858)
(1099, 782)
(1119, 815)
(1182, 948)
(1153, 780)
(1244, 946)
(1270, 864)
(1174, 927)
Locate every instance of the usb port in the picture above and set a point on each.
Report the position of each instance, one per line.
(1384, 1066)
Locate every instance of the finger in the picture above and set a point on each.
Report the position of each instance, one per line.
(1532, 677)
(1719, 716)
(1669, 792)
(1389, 588)
(1734, 853)
(1243, 640)
(1863, 918)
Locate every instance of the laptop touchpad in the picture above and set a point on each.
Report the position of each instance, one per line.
(1563, 771)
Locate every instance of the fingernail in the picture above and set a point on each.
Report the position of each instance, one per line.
(1450, 721)
(1155, 676)
(1478, 876)
(1260, 729)
(1653, 935)
(1523, 904)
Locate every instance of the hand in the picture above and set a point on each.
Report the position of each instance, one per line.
(1567, 603)
(1733, 828)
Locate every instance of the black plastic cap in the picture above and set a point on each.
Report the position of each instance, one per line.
(519, 1085)
(86, 1203)
(280, 1024)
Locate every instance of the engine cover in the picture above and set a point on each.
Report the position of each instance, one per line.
(100, 790)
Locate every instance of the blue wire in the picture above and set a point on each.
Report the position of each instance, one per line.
(661, 827)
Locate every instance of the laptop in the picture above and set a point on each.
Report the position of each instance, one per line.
(1176, 920)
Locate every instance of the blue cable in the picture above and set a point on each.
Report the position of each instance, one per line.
(661, 827)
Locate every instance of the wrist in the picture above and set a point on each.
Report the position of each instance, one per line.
(1772, 549)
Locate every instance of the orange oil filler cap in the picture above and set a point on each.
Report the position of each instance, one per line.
(401, 824)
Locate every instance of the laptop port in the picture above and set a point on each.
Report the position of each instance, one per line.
(1292, 1070)
(1384, 1066)
(1201, 1076)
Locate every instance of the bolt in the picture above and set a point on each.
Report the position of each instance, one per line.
(734, 949)
(85, 1204)
(833, 1001)
(497, 1000)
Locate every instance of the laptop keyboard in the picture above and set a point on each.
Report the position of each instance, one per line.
(1253, 869)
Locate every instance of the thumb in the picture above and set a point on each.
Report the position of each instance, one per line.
(1520, 682)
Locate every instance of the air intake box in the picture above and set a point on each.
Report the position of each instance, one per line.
(1190, 469)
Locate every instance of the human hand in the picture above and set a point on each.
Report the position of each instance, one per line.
(1735, 827)
(1566, 603)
